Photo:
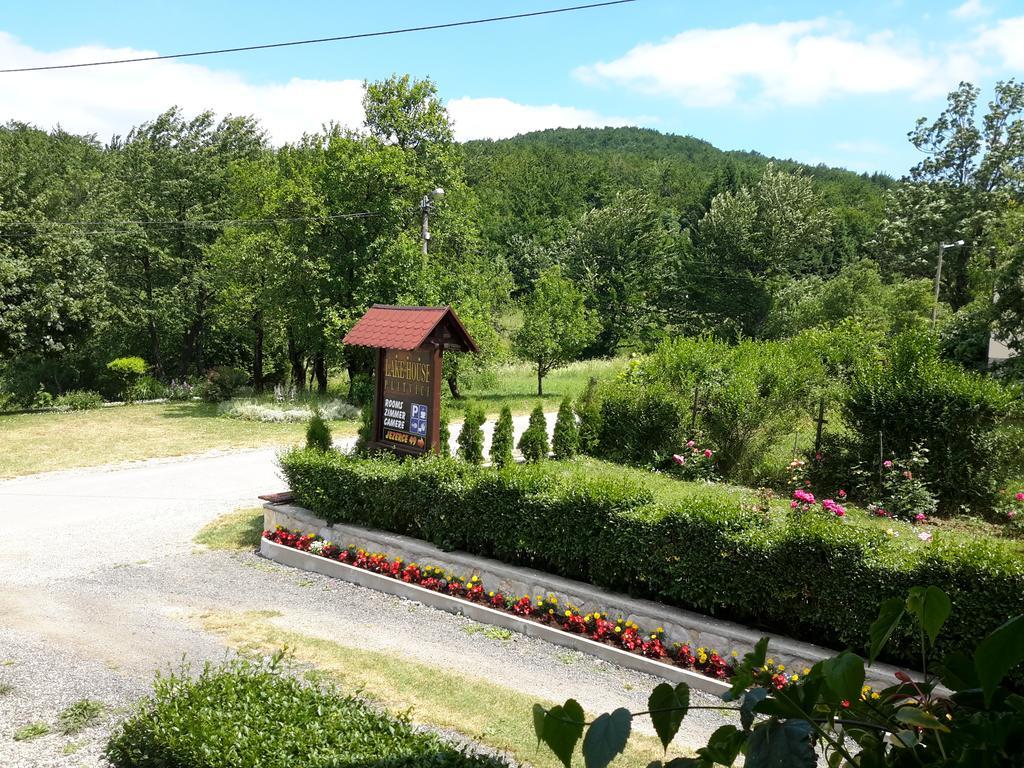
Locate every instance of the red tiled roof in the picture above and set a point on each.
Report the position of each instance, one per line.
(402, 327)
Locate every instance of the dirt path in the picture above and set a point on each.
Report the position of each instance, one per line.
(100, 585)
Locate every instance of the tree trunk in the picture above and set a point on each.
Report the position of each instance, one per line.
(540, 381)
(192, 349)
(320, 371)
(257, 352)
(453, 386)
(297, 365)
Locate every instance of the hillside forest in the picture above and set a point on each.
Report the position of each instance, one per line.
(194, 244)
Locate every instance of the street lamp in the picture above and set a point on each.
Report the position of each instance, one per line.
(938, 275)
(425, 205)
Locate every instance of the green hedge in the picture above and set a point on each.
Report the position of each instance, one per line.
(246, 714)
(811, 577)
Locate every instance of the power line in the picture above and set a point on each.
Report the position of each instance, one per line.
(338, 38)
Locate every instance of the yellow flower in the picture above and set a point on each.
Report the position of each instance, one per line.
(771, 660)
(659, 629)
(807, 670)
(568, 613)
(794, 678)
(618, 629)
(782, 667)
(874, 695)
(490, 594)
(735, 654)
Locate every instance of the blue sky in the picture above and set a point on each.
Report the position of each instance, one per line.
(839, 83)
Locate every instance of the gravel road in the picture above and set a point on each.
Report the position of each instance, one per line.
(99, 579)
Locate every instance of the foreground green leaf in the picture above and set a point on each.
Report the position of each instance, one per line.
(606, 738)
(998, 654)
(889, 616)
(563, 727)
(781, 744)
(668, 707)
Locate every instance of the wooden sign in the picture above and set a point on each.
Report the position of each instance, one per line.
(409, 402)
(410, 342)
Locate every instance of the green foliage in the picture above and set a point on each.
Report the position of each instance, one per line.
(445, 435)
(533, 443)
(84, 713)
(828, 709)
(31, 731)
(318, 433)
(248, 713)
(670, 550)
(556, 325)
(588, 411)
(125, 374)
(640, 423)
(471, 436)
(566, 438)
(913, 400)
(364, 436)
(78, 400)
(222, 383)
(502, 439)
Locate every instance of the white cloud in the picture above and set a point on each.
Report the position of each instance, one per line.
(972, 9)
(1006, 40)
(497, 118)
(797, 62)
(111, 99)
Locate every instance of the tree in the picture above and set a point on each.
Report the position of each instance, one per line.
(971, 172)
(501, 440)
(618, 256)
(471, 436)
(533, 443)
(749, 245)
(566, 438)
(557, 326)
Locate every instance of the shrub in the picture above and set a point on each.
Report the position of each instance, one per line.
(78, 400)
(365, 434)
(181, 390)
(566, 439)
(502, 439)
(445, 435)
(588, 411)
(245, 714)
(701, 547)
(641, 423)
(533, 443)
(471, 436)
(125, 373)
(916, 399)
(361, 391)
(318, 433)
(221, 383)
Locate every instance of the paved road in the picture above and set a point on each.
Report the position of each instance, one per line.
(99, 578)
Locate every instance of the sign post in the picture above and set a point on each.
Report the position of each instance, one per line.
(410, 342)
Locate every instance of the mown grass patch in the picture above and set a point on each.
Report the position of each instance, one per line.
(41, 442)
(489, 713)
(238, 530)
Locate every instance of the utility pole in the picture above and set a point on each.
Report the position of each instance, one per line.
(938, 276)
(426, 203)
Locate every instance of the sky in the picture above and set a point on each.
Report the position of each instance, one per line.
(834, 83)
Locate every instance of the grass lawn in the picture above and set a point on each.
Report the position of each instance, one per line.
(492, 714)
(240, 530)
(39, 442)
(515, 385)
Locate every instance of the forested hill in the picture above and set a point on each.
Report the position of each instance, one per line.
(536, 183)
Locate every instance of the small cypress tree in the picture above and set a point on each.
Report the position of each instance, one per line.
(446, 435)
(318, 433)
(365, 434)
(502, 440)
(588, 409)
(534, 442)
(471, 436)
(566, 442)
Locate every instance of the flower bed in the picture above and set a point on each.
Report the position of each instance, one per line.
(620, 633)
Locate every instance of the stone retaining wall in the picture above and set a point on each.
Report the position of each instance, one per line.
(680, 626)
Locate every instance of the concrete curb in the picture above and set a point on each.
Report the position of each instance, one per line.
(486, 615)
(680, 626)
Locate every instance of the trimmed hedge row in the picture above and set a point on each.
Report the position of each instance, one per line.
(809, 577)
